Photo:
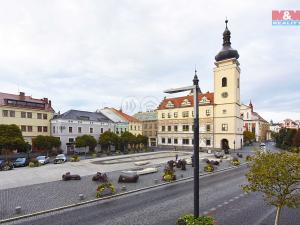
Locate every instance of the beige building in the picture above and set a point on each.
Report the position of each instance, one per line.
(221, 125)
(149, 123)
(30, 114)
(254, 122)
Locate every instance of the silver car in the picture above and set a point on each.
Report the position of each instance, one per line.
(43, 159)
(61, 158)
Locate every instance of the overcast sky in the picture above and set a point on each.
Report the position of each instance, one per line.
(91, 54)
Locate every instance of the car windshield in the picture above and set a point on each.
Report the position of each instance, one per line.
(60, 156)
(20, 159)
(40, 157)
(1, 161)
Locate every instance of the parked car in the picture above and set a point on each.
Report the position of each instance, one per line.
(21, 162)
(61, 158)
(219, 154)
(43, 159)
(6, 165)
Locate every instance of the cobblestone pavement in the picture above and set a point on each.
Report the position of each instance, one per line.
(44, 196)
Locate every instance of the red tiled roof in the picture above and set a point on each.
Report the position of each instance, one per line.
(25, 98)
(178, 101)
(125, 116)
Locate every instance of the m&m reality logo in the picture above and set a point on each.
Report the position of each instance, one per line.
(286, 17)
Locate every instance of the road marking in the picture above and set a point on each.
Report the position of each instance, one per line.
(236, 197)
(242, 195)
(219, 205)
(225, 203)
(231, 200)
(205, 213)
(212, 209)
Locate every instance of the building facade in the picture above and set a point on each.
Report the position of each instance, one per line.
(254, 123)
(30, 114)
(149, 126)
(291, 124)
(221, 125)
(74, 123)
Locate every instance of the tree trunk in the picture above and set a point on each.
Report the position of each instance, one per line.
(277, 215)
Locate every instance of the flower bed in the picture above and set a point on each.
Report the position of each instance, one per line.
(75, 158)
(105, 187)
(209, 168)
(191, 220)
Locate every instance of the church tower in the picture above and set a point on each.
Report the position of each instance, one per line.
(228, 124)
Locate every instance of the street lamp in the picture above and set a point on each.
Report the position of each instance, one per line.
(234, 145)
(196, 90)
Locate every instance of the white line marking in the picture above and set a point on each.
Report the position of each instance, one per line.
(225, 203)
(205, 213)
(212, 209)
(219, 205)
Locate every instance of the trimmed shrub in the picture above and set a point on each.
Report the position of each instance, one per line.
(33, 163)
(235, 162)
(75, 158)
(102, 187)
(209, 168)
(191, 220)
(248, 158)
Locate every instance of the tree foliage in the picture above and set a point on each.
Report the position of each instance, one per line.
(249, 136)
(107, 139)
(288, 139)
(86, 140)
(11, 139)
(45, 143)
(277, 176)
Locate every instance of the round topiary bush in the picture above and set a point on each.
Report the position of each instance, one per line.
(209, 168)
(33, 163)
(191, 220)
(235, 162)
(248, 158)
(75, 158)
(105, 186)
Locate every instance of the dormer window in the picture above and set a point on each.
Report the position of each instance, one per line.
(204, 100)
(170, 104)
(185, 102)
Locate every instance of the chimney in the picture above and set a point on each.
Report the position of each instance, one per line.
(49, 103)
(22, 95)
(46, 100)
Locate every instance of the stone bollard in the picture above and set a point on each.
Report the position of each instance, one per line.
(156, 181)
(181, 175)
(81, 196)
(18, 209)
(123, 188)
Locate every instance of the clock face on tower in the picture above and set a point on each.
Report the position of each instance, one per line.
(224, 94)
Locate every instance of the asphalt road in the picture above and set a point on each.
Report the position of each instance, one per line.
(220, 196)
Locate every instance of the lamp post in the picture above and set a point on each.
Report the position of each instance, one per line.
(196, 90)
(234, 145)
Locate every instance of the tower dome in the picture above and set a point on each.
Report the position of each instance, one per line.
(226, 52)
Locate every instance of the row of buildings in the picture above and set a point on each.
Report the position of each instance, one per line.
(287, 123)
(222, 116)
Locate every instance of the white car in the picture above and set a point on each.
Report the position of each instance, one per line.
(43, 159)
(61, 158)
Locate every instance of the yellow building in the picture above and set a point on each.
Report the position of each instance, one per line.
(31, 115)
(221, 125)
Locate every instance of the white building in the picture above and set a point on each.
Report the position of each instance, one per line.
(74, 123)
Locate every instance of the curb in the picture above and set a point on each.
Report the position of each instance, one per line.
(117, 195)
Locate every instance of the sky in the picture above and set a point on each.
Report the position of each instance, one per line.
(90, 54)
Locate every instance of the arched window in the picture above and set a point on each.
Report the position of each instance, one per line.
(224, 82)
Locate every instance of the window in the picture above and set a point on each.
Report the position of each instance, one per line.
(207, 127)
(169, 141)
(163, 140)
(29, 115)
(185, 114)
(45, 129)
(117, 130)
(145, 126)
(79, 129)
(91, 130)
(207, 112)
(185, 141)
(39, 116)
(185, 127)
(45, 116)
(163, 128)
(23, 128)
(134, 127)
(224, 82)
(53, 129)
(175, 141)
(169, 115)
(162, 115)
(224, 111)
(224, 127)
(102, 130)
(12, 113)
(29, 128)
(175, 114)
(40, 128)
(71, 140)
(169, 128)
(5, 113)
(130, 127)
(207, 142)
(23, 114)
(70, 130)
(175, 128)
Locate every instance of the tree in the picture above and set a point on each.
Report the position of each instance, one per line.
(296, 139)
(248, 136)
(107, 139)
(86, 140)
(127, 140)
(277, 176)
(45, 143)
(142, 140)
(11, 139)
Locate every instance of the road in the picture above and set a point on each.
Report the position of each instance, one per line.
(220, 196)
